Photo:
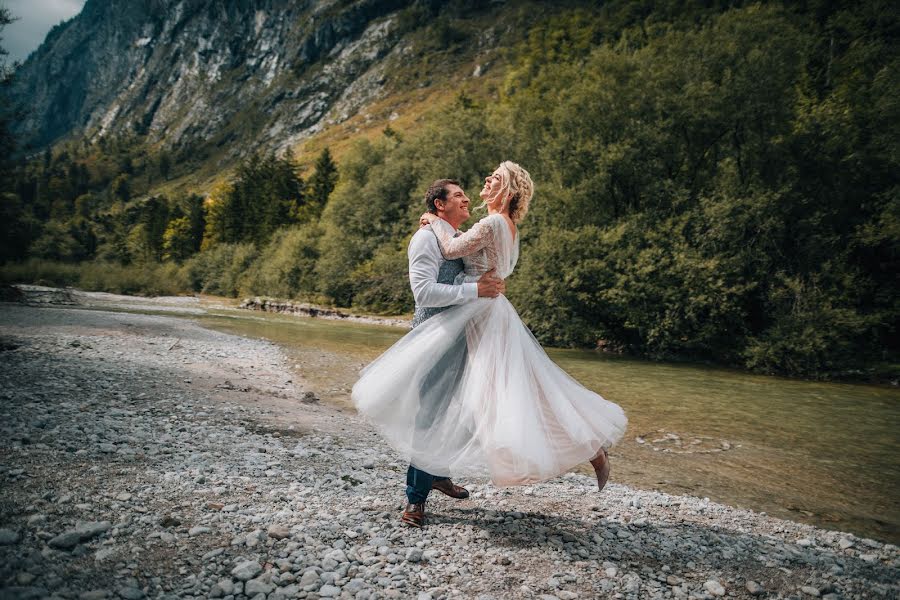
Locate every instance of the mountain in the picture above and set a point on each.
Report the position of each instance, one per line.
(224, 77)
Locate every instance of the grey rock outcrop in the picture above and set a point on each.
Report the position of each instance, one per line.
(189, 72)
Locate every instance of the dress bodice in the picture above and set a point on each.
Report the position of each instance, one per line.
(487, 245)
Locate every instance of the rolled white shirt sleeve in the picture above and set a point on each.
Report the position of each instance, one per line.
(425, 258)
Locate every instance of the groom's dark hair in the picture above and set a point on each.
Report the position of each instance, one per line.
(437, 191)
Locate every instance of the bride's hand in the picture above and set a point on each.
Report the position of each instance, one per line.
(427, 219)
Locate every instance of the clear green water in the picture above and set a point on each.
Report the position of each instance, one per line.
(823, 453)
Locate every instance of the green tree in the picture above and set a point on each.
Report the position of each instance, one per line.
(121, 188)
(285, 268)
(164, 164)
(177, 242)
(18, 228)
(321, 183)
(263, 196)
(8, 110)
(146, 237)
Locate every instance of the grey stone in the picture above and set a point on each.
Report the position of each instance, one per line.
(23, 593)
(354, 585)
(212, 554)
(309, 578)
(288, 591)
(198, 530)
(255, 538)
(225, 586)
(131, 593)
(246, 570)
(714, 587)
(337, 555)
(414, 555)
(279, 532)
(104, 553)
(328, 577)
(91, 529)
(66, 541)
(8, 536)
(810, 590)
(329, 591)
(258, 586)
(755, 589)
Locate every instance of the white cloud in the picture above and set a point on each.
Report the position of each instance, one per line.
(35, 19)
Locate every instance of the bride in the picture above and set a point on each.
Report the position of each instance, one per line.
(512, 414)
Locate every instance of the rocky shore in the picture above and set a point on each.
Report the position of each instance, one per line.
(308, 310)
(146, 457)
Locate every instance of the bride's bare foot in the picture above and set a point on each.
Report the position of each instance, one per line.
(601, 468)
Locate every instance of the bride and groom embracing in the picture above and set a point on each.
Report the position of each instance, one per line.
(469, 391)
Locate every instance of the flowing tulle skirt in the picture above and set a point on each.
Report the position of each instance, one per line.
(470, 392)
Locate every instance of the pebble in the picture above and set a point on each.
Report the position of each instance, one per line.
(246, 570)
(90, 529)
(755, 588)
(414, 555)
(8, 536)
(714, 587)
(257, 586)
(279, 532)
(66, 540)
(198, 530)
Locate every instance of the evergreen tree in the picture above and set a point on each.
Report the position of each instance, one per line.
(321, 184)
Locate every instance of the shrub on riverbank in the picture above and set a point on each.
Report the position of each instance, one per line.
(153, 279)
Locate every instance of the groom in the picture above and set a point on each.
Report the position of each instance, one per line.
(431, 277)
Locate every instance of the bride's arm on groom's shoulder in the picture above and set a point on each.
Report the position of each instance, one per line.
(470, 242)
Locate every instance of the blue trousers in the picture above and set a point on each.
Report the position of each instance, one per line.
(418, 484)
(437, 388)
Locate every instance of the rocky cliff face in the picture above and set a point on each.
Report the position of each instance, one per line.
(208, 71)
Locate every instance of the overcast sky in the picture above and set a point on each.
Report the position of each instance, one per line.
(36, 17)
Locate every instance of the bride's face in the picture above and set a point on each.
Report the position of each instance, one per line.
(493, 185)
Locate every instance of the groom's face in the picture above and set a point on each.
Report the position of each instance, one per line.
(455, 209)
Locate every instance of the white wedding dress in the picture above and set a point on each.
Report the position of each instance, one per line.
(470, 392)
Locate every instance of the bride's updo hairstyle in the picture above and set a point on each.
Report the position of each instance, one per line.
(516, 181)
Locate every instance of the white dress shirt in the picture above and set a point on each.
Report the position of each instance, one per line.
(425, 258)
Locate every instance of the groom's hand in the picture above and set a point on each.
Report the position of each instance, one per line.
(490, 286)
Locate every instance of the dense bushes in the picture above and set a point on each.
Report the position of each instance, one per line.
(115, 278)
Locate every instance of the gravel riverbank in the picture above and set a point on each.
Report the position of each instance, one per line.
(144, 456)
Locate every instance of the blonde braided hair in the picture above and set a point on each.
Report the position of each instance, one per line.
(516, 181)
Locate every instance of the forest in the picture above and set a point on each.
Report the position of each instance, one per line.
(714, 182)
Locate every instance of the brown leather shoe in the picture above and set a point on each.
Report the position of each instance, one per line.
(446, 486)
(414, 515)
(601, 468)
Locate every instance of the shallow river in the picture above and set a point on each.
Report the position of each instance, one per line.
(822, 453)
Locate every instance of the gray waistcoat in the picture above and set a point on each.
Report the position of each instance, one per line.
(447, 272)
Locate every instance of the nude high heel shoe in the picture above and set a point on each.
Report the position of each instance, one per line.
(601, 468)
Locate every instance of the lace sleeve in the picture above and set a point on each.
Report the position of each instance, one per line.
(480, 236)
